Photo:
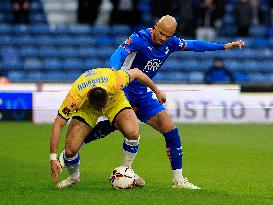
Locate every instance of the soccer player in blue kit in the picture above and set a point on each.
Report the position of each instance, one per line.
(147, 50)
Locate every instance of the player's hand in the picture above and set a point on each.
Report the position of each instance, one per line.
(161, 96)
(56, 168)
(236, 44)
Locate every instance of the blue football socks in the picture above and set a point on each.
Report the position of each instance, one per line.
(174, 148)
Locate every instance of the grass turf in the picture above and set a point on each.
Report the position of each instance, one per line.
(231, 163)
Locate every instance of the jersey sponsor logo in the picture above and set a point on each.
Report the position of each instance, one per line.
(92, 82)
(128, 41)
(152, 65)
(150, 48)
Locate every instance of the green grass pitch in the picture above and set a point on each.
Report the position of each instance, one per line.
(233, 164)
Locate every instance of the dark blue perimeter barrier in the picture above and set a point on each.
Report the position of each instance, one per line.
(15, 106)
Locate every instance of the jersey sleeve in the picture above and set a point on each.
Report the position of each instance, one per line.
(123, 79)
(132, 43)
(201, 46)
(65, 111)
(178, 44)
(118, 58)
(69, 106)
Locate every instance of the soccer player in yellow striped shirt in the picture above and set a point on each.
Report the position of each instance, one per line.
(97, 93)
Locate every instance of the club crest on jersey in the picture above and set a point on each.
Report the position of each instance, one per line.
(152, 65)
(167, 50)
(128, 41)
(182, 44)
(66, 111)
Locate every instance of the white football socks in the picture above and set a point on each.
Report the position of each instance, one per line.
(177, 175)
(128, 158)
(73, 170)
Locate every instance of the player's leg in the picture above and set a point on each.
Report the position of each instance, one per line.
(153, 113)
(77, 131)
(105, 127)
(127, 122)
(163, 123)
(101, 130)
(124, 118)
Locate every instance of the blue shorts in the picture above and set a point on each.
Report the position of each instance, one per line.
(144, 105)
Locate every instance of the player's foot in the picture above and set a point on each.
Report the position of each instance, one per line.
(184, 184)
(139, 181)
(68, 182)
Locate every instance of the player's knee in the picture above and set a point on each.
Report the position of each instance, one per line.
(69, 153)
(167, 126)
(132, 135)
(162, 122)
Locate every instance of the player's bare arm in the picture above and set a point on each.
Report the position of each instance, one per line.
(144, 79)
(236, 44)
(54, 142)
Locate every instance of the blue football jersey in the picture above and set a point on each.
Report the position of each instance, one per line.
(147, 56)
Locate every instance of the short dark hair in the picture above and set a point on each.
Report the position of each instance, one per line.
(97, 96)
